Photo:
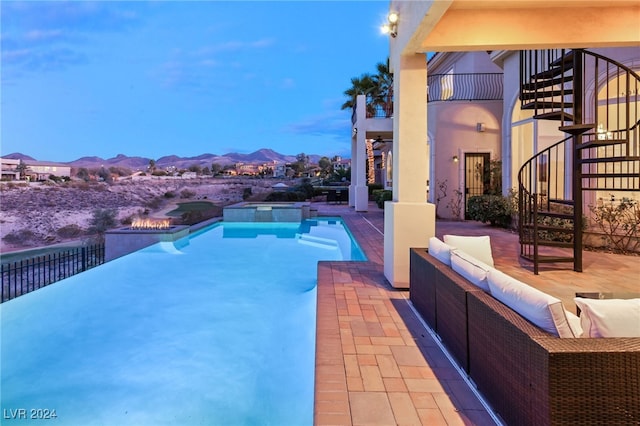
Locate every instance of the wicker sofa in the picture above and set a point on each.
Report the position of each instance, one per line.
(527, 375)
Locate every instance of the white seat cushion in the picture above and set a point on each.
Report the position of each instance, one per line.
(478, 247)
(470, 268)
(543, 310)
(440, 250)
(609, 317)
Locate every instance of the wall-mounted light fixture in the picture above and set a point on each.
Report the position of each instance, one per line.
(391, 27)
(355, 130)
(480, 127)
(455, 158)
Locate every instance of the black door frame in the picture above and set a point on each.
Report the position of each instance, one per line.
(477, 176)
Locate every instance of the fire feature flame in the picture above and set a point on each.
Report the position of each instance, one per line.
(151, 224)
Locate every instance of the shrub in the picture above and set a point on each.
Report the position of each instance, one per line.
(286, 196)
(382, 195)
(494, 209)
(192, 217)
(246, 193)
(306, 189)
(620, 223)
(70, 231)
(169, 194)
(82, 186)
(187, 193)
(128, 220)
(553, 235)
(373, 187)
(59, 179)
(19, 237)
(441, 194)
(154, 203)
(455, 204)
(102, 220)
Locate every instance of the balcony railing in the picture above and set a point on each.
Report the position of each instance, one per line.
(464, 87)
(447, 87)
(375, 110)
(379, 111)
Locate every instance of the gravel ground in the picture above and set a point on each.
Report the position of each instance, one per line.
(31, 215)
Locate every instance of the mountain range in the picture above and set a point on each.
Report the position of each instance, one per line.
(260, 156)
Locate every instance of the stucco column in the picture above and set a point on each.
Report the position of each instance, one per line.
(409, 221)
(354, 167)
(361, 193)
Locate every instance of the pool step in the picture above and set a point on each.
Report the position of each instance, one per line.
(320, 242)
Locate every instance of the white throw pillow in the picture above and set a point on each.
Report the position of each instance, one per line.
(440, 250)
(609, 317)
(470, 268)
(543, 310)
(478, 247)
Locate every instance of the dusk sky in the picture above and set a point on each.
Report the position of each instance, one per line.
(158, 78)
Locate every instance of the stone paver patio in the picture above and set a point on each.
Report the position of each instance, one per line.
(376, 361)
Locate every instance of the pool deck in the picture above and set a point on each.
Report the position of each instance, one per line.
(378, 364)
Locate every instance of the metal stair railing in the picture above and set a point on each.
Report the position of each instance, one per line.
(605, 153)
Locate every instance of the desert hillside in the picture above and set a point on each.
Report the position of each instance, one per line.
(38, 214)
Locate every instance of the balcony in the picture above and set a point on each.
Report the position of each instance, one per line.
(465, 87)
(376, 108)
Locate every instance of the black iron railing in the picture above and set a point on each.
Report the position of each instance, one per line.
(465, 87)
(595, 99)
(384, 110)
(27, 275)
(376, 107)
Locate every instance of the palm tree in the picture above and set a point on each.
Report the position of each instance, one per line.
(378, 88)
(22, 168)
(362, 85)
(384, 88)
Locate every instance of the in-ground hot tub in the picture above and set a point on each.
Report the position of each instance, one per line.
(268, 212)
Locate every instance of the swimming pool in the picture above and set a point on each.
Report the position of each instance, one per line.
(217, 328)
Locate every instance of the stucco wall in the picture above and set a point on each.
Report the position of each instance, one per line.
(453, 128)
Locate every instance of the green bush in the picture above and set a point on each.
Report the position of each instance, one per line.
(187, 193)
(619, 220)
(286, 196)
(382, 195)
(19, 237)
(306, 189)
(102, 220)
(169, 194)
(373, 187)
(493, 209)
(192, 217)
(70, 231)
(246, 193)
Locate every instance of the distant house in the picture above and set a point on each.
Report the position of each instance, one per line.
(41, 170)
(36, 170)
(8, 168)
(340, 163)
(280, 170)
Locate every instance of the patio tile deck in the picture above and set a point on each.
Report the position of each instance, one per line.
(377, 364)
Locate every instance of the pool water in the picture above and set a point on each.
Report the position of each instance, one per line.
(216, 329)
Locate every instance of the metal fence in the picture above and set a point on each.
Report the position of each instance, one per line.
(27, 275)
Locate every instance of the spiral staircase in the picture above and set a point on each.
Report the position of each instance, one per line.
(596, 102)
